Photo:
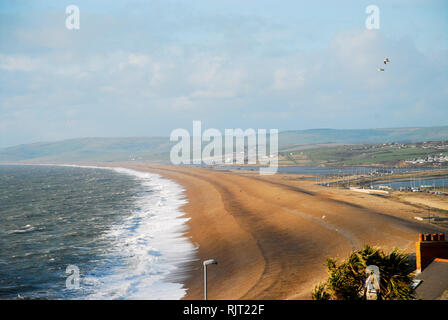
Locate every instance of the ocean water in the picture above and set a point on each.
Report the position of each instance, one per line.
(318, 171)
(416, 183)
(69, 232)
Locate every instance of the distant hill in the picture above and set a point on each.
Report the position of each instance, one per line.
(90, 149)
(348, 136)
(157, 148)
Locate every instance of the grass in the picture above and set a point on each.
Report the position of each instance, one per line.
(361, 154)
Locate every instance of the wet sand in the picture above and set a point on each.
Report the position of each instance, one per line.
(272, 234)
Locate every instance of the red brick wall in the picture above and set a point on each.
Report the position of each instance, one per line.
(427, 251)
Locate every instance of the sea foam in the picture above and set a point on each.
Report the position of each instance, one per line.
(150, 245)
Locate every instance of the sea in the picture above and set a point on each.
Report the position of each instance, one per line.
(417, 183)
(73, 232)
(330, 171)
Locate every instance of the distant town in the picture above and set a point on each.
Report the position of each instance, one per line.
(391, 154)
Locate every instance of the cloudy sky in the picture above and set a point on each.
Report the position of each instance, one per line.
(144, 68)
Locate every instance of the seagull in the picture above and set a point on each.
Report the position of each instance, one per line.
(386, 60)
(380, 69)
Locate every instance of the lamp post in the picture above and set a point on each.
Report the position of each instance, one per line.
(206, 263)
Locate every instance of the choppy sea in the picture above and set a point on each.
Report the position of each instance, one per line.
(72, 232)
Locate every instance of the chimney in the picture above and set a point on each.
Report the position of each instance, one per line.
(429, 247)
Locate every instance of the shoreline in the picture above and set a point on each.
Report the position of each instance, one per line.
(272, 234)
(148, 236)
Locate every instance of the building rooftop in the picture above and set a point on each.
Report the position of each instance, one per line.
(435, 281)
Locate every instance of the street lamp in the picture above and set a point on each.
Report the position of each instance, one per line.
(206, 263)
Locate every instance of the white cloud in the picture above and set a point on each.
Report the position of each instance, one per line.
(139, 60)
(288, 79)
(225, 75)
(204, 94)
(182, 103)
(18, 63)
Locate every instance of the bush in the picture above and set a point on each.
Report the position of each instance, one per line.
(347, 279)
(320, 292)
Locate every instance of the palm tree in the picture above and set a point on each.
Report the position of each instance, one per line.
(346, 280)
(396, 276)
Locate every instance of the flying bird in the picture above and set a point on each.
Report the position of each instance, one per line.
(380, 69)
(386, 60)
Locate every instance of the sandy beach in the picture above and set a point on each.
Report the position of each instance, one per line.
(272, 234)
(425, 200)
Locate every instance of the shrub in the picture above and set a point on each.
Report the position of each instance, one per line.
(347, 279)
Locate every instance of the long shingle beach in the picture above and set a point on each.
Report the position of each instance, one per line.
(272, 234)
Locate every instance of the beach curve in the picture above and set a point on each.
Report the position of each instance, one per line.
(272, 237)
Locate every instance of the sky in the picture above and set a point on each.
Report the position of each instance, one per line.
(145, 68)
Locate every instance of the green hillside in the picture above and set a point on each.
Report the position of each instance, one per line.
(318, 136)
(90, 149)
(365, 154)
(158, 148)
